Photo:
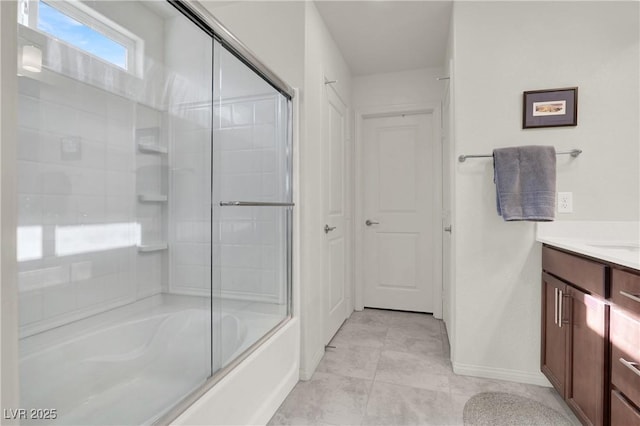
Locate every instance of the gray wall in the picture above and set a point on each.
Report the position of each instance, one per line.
(501, 49)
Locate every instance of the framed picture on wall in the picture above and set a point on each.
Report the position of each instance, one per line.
(550, 108)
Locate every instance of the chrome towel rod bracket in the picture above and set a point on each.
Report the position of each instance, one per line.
(574, 153)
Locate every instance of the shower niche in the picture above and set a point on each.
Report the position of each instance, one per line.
(154, 234)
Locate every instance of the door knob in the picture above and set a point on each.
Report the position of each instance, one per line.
(328, 228)
(369, 222)
(447, 229)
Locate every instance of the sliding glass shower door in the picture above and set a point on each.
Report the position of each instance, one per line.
(115, 114)
(155, 209)
(252, 202)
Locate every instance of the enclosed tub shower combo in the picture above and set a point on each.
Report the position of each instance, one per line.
(155, 208)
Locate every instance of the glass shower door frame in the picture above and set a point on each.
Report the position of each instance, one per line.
(202, 18)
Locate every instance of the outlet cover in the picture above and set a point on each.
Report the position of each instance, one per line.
(565, 202)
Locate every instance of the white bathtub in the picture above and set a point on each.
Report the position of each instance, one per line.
(122, 372)
(253, 391)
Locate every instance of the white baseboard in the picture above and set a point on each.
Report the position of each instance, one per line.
(517, 376)
(307, 371)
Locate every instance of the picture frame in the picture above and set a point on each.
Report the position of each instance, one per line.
(550, 108)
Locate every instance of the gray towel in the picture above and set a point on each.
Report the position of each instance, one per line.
(525, 179)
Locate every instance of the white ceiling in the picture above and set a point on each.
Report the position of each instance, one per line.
(388, 35)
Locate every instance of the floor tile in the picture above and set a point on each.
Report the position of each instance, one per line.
(419, 329)
(376, 317)
(350, 361)
(469, 386)
(326, 399)
(402, 405)
(446, 348)
(413, 319)
(393, 368)
(457, 409)
(401, 340)
(418, 371)
(367, 335)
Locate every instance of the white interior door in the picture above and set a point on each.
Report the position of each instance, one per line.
(335, 295)
(398, 184)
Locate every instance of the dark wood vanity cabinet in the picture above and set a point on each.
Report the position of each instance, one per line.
(554, 334)
(574, 332)
(585, 391)
(622, 412)
(590, 348)
(625, 348)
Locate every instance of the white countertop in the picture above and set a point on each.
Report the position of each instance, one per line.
(616, 242)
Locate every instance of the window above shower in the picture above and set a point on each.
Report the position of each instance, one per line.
(71, 25)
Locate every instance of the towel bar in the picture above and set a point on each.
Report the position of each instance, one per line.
(574, 153)
(254, 204)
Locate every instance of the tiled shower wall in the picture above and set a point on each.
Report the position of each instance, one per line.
(251, 167)
(77, 181)
(249, 242)
(190, 200)
(79, 172)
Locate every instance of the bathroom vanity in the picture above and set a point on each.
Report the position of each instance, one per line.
(624, 335)
(590, 348)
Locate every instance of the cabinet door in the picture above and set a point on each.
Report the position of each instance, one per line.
(625, 354)
(622, 412)
(585, 389)
(554, 355)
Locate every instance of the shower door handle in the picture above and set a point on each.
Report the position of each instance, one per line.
(328, 228)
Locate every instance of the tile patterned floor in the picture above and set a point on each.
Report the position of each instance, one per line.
(392, 368)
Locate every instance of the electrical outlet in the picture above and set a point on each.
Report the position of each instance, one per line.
(565, 202)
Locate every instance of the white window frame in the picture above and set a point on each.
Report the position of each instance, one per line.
(85, 15)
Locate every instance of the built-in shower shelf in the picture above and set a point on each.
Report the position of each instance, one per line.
(152, 198)
(150, 248)
(152, 148)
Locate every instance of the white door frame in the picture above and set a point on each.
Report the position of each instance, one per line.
(359, 216)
